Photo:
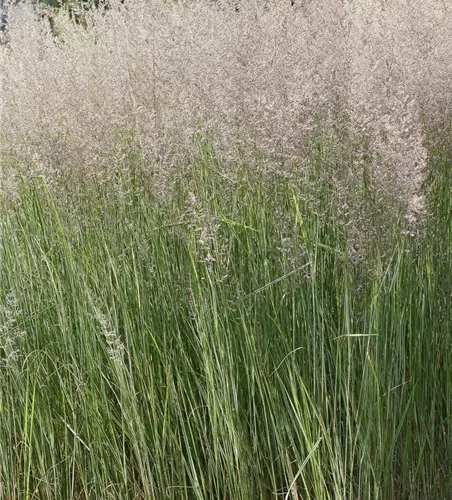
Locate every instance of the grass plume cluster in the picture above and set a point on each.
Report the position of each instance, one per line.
(226, 252)
(371, 79)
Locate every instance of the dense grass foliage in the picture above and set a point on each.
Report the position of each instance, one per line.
(226, 247)
(226, 343)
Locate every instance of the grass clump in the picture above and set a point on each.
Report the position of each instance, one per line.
(225, 343)
(226, 251)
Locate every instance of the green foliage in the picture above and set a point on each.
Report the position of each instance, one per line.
(220, 344)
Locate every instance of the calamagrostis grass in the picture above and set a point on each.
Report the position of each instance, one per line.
(142, 80)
